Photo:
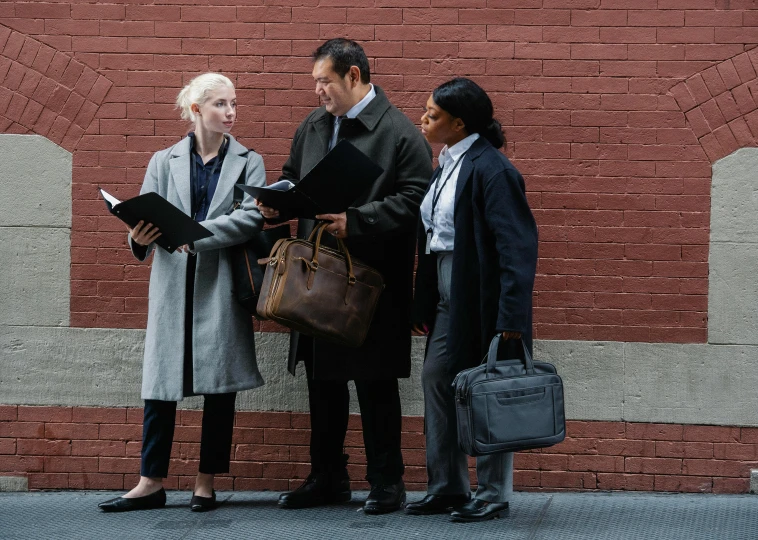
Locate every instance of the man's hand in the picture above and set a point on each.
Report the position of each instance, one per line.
(338, 225)
(144, 234)
(511, 335)
(267, 211)
(420, 330)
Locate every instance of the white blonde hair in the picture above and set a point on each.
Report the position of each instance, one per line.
(197, 92)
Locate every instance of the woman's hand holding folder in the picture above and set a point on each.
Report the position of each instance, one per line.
(266, 211)
(143, 233)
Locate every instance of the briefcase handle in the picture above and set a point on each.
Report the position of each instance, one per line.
(492, 356)
(313, 265)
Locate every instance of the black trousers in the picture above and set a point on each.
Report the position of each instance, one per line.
(215, 440)
(381, 418)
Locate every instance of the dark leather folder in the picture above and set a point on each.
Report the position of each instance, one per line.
(330, 187)
(176, 227)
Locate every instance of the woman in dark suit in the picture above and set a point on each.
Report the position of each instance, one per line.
(477, 262)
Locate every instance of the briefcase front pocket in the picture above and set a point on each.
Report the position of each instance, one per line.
(511, 416)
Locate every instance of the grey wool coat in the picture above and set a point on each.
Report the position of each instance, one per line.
(380, 232)
(222, 333)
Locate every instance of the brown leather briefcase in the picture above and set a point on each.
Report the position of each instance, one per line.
(319, 291)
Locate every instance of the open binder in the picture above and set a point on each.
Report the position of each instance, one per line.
(330, 187)
(176, 227)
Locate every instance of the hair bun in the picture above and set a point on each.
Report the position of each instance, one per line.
(494, 133)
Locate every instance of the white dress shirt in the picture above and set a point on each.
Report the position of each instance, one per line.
(443, 190)
(352, 113)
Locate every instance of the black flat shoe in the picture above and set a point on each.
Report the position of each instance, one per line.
(318, 490)
(385, 498)
(478, 510)
(203, 504)
(437, 504)
(148, 502)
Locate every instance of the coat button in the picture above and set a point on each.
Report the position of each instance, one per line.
(370, 220)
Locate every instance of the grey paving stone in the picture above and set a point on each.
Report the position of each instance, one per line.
(532, 516)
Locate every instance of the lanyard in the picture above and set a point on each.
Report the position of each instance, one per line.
(436, 194)
(195, 178)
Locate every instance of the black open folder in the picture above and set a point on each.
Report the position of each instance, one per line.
(330, 187)
(176, 227)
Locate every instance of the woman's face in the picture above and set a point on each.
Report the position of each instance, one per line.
(439, 126)
(218, 112)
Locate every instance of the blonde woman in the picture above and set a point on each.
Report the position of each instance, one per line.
(198, 341)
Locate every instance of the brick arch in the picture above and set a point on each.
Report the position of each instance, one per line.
(721, 104)
(45, 91)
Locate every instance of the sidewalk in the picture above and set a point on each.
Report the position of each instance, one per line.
(548, 516)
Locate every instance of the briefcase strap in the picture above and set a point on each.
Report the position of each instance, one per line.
(318, 231)
(492, 356)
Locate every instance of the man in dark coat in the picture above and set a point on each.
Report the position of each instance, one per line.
(379, 230)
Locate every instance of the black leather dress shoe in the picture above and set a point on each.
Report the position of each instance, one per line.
(203, 504)
(385, 498)
(437, 504)
(317, 490)
(148, 502)
(478, 510)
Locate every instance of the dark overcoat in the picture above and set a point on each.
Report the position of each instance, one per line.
(494, 259)
(380, 232)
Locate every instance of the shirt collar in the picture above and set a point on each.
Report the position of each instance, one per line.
(221, 151)
(358, 107)
(452, 154)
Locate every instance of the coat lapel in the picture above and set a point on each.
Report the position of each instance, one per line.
(179, 163)
(323, 127)
(467, 167)
(231, 168)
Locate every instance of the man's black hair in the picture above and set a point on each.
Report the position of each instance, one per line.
(344, 54)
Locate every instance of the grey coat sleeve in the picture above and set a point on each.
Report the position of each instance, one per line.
(398, 211)
(241, 224)
(150, 183)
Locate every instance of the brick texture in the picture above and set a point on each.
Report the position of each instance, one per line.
(613, 115)
(81, 448)
(613, 111)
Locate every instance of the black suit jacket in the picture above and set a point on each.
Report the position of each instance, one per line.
(494, 259)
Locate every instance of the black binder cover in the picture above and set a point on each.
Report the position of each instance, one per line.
(329, 188)
(176, 227)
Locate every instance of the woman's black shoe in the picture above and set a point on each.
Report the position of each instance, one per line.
(478, 510)
(203, 504)
(437, 504)
(148, 502)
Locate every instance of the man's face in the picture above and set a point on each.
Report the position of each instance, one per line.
(335, 91)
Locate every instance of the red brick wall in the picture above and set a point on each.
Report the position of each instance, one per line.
(618, 180)
(614, 111)
(95, 448)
